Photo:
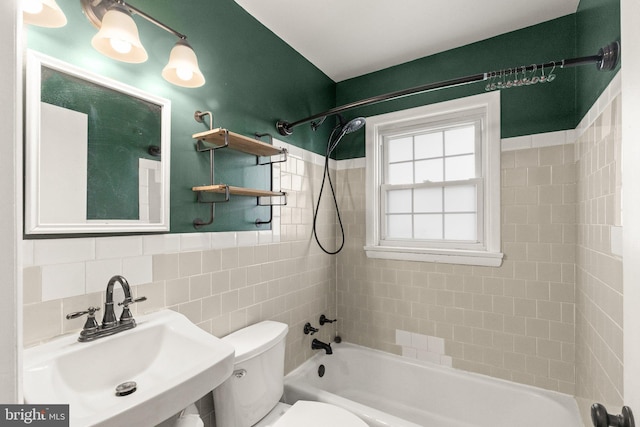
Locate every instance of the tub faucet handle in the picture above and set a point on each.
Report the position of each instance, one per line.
(308, 329)
(323, 320)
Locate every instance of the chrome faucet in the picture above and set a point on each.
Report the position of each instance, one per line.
(91, 331)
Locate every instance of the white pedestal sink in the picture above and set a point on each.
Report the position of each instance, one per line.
(172, 361)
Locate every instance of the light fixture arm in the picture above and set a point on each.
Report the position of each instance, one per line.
(153, 20)
(95, 10)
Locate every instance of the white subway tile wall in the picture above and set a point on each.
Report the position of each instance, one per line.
(220, 281)
(599, 297)
(514, 322)
(423, 347)
(518, 321)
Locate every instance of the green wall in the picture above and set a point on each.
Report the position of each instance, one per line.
(598, 24)
(253, 79)
(525, 110)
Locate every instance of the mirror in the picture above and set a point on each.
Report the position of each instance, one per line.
(97, 153)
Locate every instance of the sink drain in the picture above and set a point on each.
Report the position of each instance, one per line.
(126, 388)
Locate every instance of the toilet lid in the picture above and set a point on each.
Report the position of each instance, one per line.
(318, 414)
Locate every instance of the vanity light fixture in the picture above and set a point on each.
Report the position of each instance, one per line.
(118, 36)
(182, 69)
(118, 39)
(43, 13)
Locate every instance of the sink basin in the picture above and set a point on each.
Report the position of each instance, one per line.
(172, 361)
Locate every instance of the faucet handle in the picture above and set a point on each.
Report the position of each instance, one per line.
(128, 301)
(323, 320)
(91, 324)
(126, 315)
(90, 311)
(308, 329)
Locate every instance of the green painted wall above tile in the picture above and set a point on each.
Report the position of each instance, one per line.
(253, 80)
(598, 24)
(525, 110)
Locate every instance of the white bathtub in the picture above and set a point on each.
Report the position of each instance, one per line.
(392, 391)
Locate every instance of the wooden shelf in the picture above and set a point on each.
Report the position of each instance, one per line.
(238, 191)
(237, 142)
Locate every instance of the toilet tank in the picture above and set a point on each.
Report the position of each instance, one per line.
(257, 382)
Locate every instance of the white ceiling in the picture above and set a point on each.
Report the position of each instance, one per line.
(349, 38)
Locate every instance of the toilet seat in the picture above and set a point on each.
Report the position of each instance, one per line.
(318, 414)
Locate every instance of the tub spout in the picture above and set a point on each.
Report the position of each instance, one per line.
(319, 345)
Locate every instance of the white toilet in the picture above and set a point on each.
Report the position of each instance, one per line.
(251, 396)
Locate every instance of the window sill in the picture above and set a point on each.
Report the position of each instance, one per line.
(444, 256)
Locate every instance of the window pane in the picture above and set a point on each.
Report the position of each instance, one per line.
(427, 200)
(460, 227)
(400, 149)
(459, 141)
(429, 170)
(428, 145)
(460, 198)
(462, 167)
(399, 201)
(400, 173)
(428, 227)
(399, 226)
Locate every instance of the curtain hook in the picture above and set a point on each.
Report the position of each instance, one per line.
(535, 79)
(551, 77)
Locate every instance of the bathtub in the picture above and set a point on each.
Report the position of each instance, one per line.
(386, 390)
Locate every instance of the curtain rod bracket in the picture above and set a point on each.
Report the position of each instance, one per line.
(610, 55)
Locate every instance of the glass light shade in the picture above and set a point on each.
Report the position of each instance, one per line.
(118, 37)
(182, 68)
(43, 13)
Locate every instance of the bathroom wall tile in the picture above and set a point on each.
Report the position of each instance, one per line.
(42, 321)
(138, 270)
(160, 244)
(436, 345)
(190, 263)
(196, 241)
(247, 238)
(229, 258)
(28, 248)
(290, 281)
(177, 291)
(98, 274)
(155, 293)
(166, 266)
(118, 247)
(192, 310)
(59, 251)
(32, 285)
(199, 286)
(549, 139)
(62, 281)
(224, 240)
(516, 143)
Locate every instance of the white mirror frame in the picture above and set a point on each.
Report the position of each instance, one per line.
(33, 194)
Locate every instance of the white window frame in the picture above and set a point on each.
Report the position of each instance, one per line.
(487, 251)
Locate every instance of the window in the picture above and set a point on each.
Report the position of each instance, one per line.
(433, 183)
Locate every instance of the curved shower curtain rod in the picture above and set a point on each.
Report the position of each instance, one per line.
(606, 60)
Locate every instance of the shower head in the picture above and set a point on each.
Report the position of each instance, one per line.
(345, 128)
(353, 125)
